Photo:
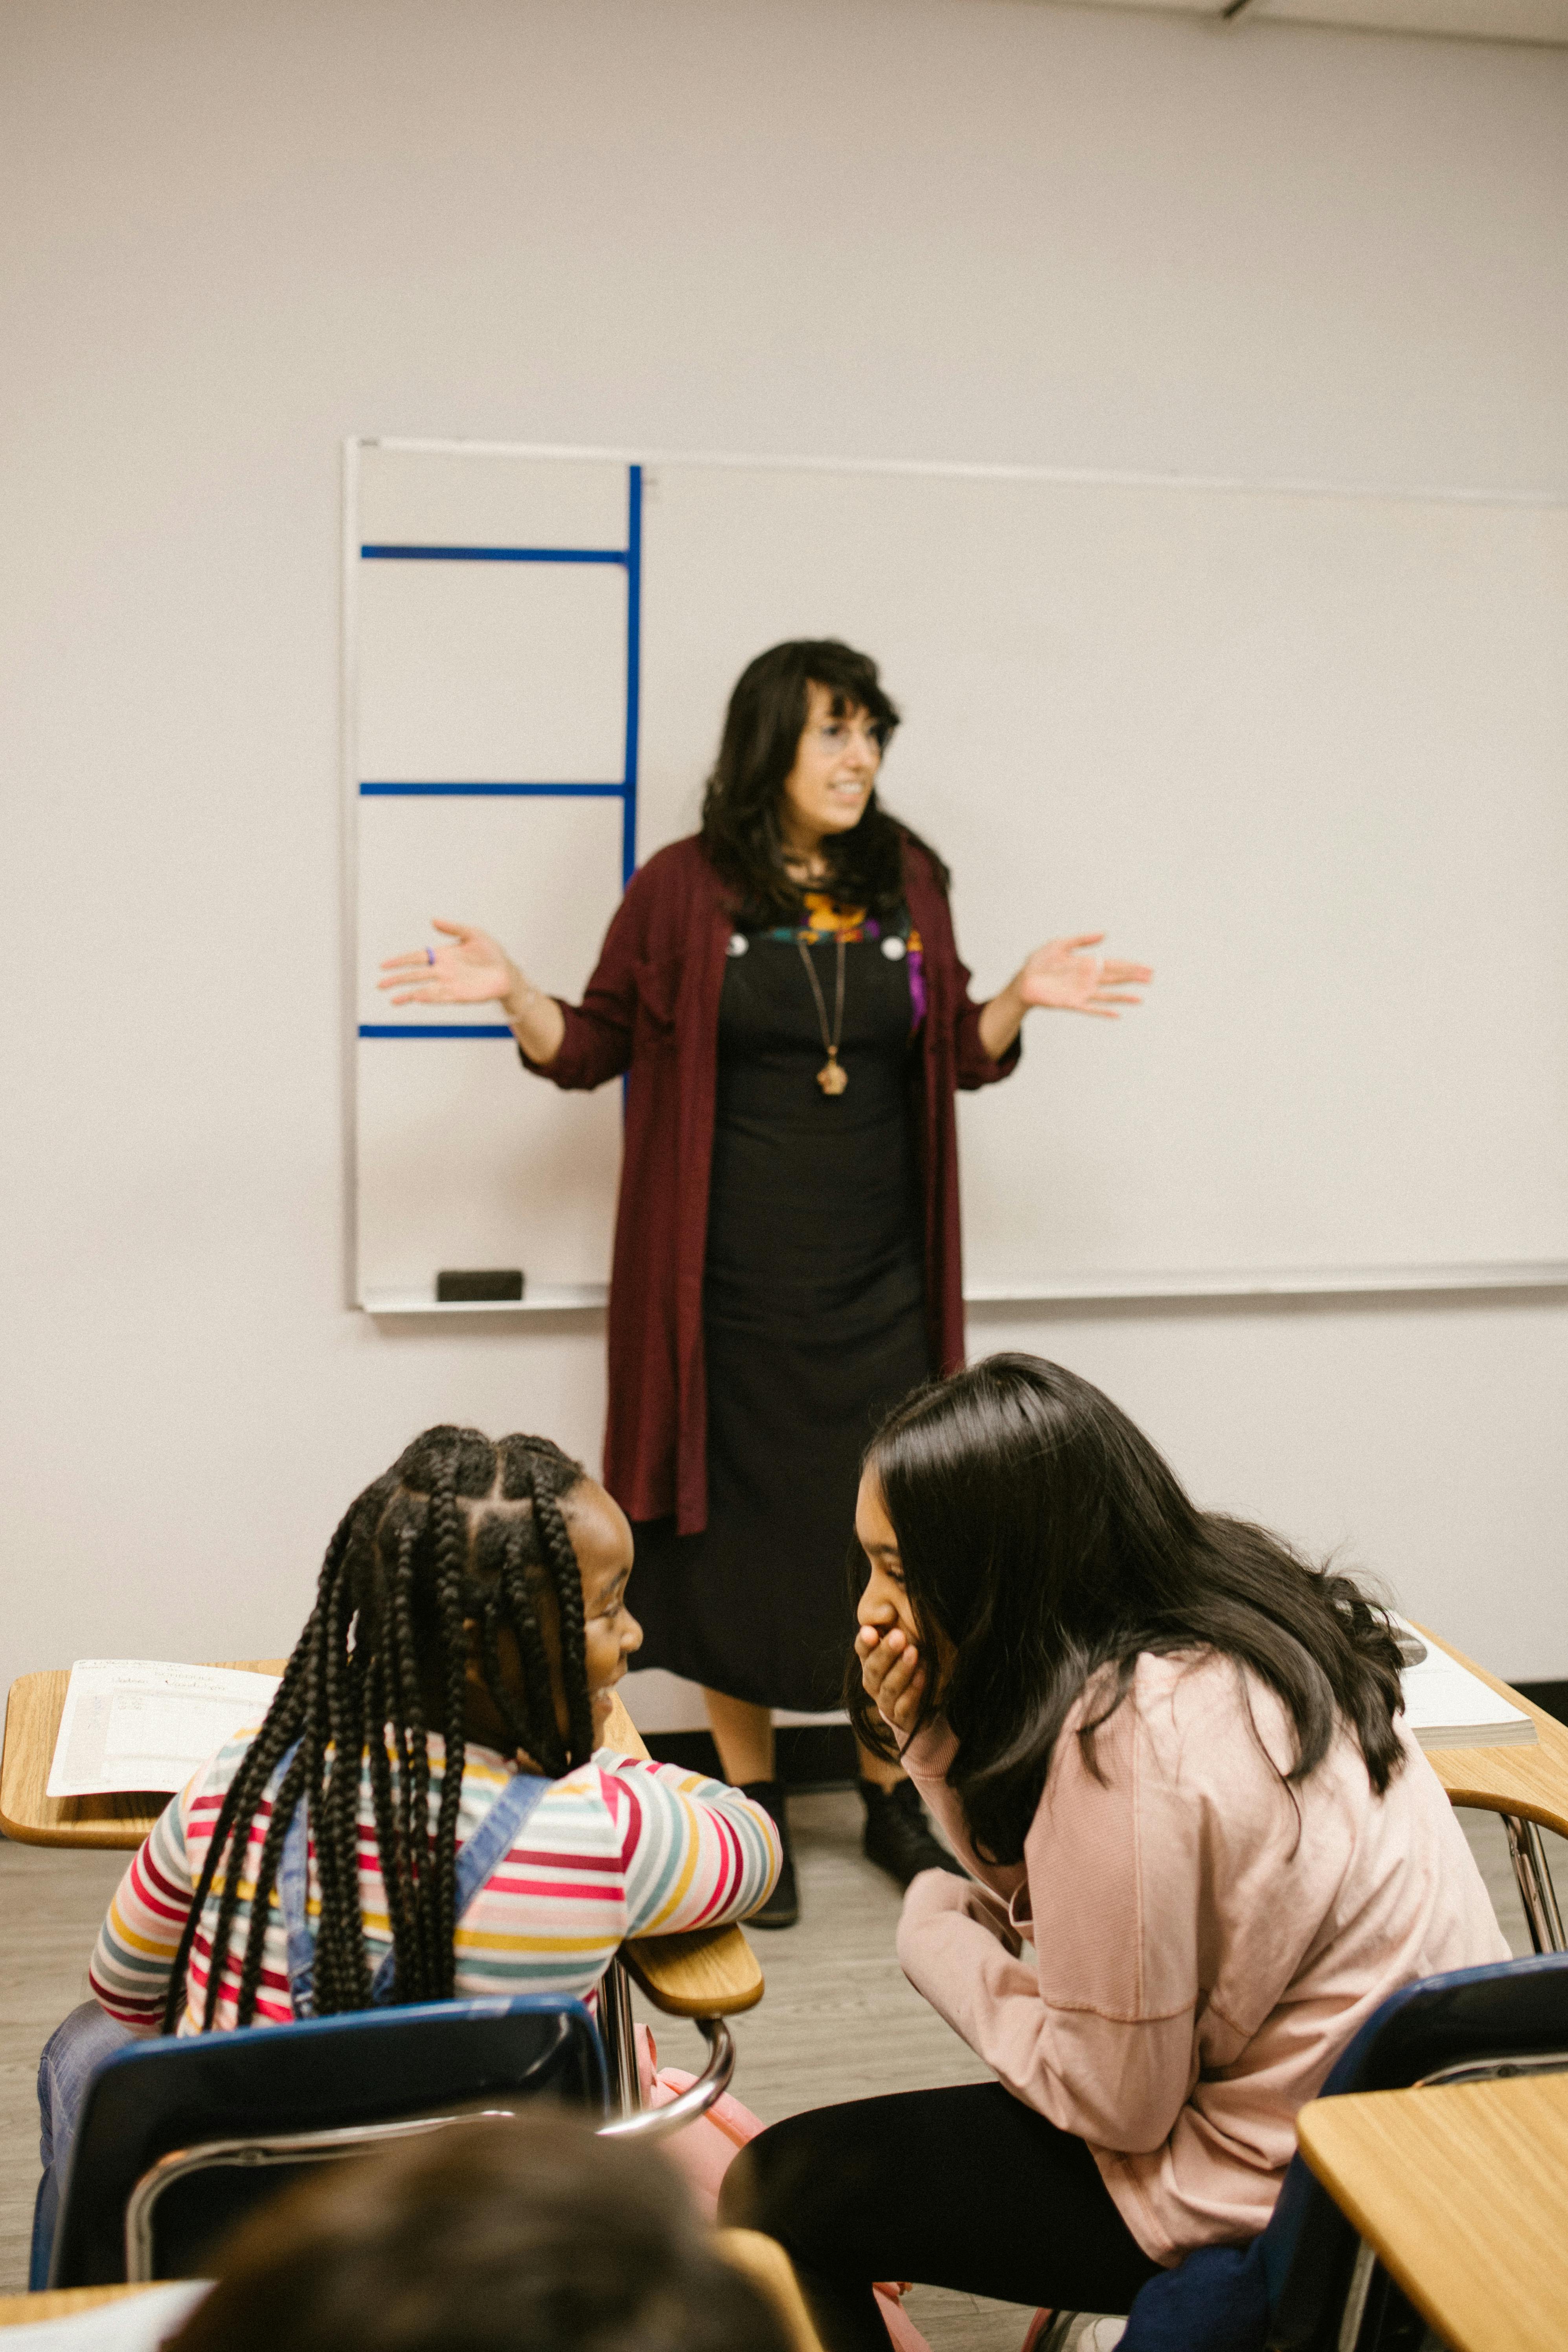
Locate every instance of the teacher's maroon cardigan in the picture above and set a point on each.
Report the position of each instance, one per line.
(651, 1010)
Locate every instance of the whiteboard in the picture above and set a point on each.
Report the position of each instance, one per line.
(1303, 751)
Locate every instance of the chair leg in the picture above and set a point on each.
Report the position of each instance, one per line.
(1354, 2312)
(615, 2030)
(1533, 1873)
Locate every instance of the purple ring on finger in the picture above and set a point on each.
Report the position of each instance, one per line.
(429, 955)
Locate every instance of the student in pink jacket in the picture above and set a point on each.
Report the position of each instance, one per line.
(1205, 1849)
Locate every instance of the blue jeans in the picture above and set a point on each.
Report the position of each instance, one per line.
(72, 2056)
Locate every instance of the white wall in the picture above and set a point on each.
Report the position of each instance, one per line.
(238, 229)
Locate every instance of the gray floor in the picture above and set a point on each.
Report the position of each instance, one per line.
(839, 2021)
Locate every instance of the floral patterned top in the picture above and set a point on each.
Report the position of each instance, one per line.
(825, 919)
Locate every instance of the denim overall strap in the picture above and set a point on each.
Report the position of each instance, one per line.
(489, 1844)
(492, 1842)
(294, 1896)
(496, 1835)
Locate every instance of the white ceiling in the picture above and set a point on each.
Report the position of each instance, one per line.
(1481, 20)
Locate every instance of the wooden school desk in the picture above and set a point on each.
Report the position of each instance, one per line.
(1528, 1786)
(710, 1972)
(32, 1715)
(1462, 2192)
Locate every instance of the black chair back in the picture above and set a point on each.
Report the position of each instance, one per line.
(330, 2074)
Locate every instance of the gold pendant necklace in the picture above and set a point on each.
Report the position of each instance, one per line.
(833, 1077)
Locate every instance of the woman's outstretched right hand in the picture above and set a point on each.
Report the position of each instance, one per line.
(473, 970)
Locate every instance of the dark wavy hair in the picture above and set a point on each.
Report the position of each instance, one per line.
(763, 728)
(523, 2236)
(1046, 1540)
(429, 1548)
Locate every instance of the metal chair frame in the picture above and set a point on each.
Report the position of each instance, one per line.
(618, 2033)
(263, 2148)
(628, 2118)
(1533, 1873)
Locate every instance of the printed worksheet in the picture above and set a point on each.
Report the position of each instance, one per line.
(141, 1723)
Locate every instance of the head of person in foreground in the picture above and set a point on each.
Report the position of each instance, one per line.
(1024, 1538)
(529, 2235)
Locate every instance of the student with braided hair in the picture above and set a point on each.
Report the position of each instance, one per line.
(424, 1810)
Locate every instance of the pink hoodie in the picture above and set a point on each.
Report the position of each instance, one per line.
(1203, 1946)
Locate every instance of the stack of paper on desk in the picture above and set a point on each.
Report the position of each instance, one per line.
(138, 1723)
(1447, 1706)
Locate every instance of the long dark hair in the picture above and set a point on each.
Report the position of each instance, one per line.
(423, 1550)
(1048, 1542)
(763, 728)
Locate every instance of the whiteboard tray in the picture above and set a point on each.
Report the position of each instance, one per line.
(1302, 1282)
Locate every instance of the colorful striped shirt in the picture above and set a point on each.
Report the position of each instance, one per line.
(619, 1847)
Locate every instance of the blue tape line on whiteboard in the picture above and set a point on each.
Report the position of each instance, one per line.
(484, 791)
(433, 1029)
(634, 668)
(495, 554)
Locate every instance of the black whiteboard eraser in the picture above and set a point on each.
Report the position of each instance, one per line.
(495, 1281)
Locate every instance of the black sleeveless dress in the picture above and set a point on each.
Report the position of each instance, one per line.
(813, 1316)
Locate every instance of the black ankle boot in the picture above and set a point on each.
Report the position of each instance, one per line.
(898, 1835)
(782, 1908)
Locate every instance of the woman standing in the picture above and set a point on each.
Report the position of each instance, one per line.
(782, 991)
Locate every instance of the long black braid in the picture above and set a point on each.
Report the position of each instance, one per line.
(435, 1546)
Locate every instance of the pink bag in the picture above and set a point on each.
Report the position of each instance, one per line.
(705, 2149)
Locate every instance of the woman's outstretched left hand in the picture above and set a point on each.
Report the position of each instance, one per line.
(1065, 977)
(1061, 975)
